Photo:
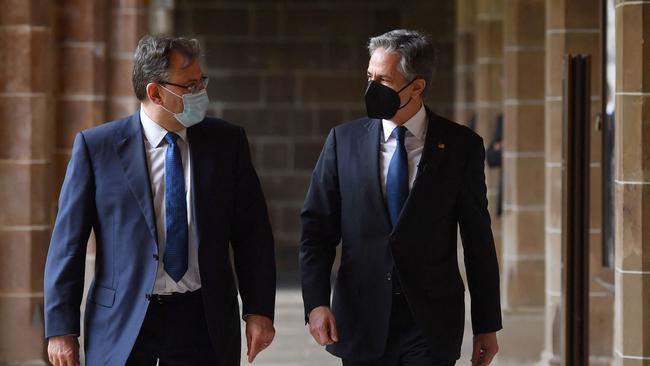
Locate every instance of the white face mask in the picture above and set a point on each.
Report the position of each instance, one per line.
(194, 107)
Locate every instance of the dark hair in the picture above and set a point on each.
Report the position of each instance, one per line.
(152, 57)
(418, 56)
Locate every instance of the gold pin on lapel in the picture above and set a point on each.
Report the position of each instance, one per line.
(441, 146)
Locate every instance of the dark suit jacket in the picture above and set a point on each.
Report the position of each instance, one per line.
(345, 204)
(107, 189)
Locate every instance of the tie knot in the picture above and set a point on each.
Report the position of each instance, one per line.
(171, 138)
(400, 132)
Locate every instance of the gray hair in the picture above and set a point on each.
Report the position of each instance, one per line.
(152, 58)
(418, 56)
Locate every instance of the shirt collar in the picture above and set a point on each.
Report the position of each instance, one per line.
(416, 125)
(155, 133)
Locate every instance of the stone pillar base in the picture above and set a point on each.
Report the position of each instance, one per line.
(548, 359)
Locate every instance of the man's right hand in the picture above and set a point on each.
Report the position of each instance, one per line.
(63, 350)
(322, 326)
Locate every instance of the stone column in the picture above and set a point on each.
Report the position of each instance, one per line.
(489, 101)
(632, 151)
(523, 154)
(130, 18)
(464, 106)
(572, 27)
(26, 129)
(81, 96)
(523, 168)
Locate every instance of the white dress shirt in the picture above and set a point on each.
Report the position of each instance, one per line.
(155, 147)
(416, 133)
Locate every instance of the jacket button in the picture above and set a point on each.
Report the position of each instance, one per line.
(147, 296)
(155, 257)
(389, 276)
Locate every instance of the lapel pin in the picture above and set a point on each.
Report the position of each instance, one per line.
(441, 146)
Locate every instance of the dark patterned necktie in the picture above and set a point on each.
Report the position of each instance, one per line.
(175, 257)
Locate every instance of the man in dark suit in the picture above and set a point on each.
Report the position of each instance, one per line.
(166, 192)
(392, 188)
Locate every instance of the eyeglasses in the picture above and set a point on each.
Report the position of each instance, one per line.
(194, 87)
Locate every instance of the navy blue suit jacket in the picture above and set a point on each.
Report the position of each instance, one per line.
(107, 189)
(345, 205)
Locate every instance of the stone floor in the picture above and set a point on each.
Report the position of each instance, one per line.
(520, 341)
(293, 346)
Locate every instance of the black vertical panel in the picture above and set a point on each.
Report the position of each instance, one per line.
(575, 213)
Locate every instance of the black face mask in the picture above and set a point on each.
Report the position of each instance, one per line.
(382, 102)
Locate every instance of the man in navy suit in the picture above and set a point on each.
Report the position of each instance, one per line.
(166, 192)
(392, 189)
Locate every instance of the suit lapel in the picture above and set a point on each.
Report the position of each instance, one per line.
(434, 148)
(433, 153)
(129, 145)
(200, 172)
(371, 151)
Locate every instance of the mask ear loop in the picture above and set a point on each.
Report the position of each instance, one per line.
(163, 107)
(404, 87)
(180, 96)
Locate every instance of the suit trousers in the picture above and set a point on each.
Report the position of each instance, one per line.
(406, 345)
(174, 332)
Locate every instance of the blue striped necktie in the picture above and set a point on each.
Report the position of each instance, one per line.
(175, 257)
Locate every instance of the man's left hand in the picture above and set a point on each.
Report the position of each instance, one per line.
(259, 335)
(485, 348)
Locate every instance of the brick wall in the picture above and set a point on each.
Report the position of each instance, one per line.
(288, 71)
